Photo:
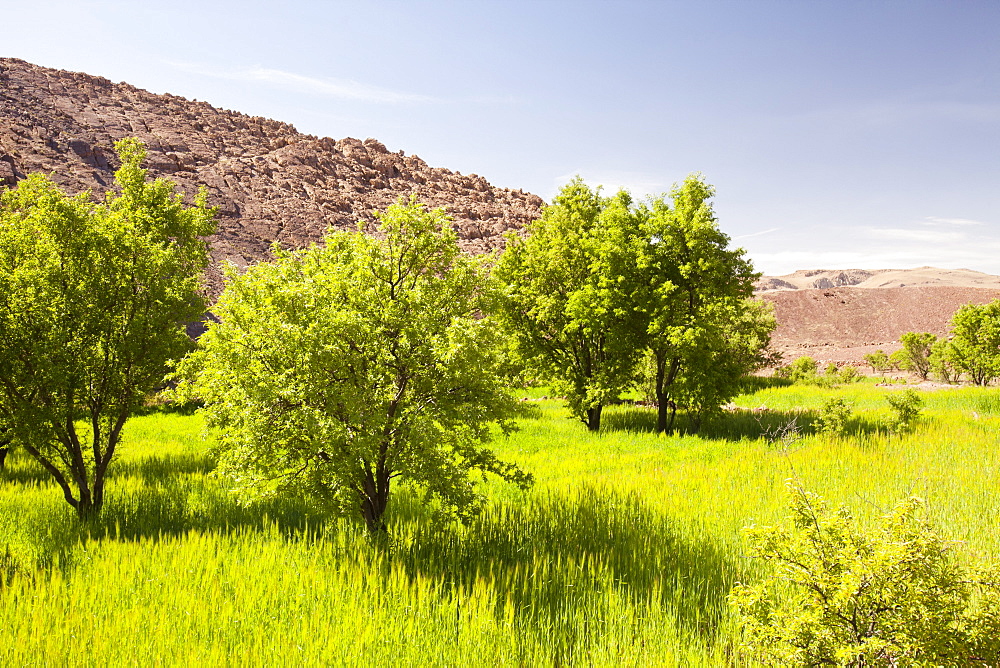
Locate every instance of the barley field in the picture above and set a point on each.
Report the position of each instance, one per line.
(622, 554)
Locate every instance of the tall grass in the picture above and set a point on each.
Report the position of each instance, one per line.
(623, 553)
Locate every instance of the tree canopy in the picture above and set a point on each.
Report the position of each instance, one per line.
(975, 344)
(93, 301)
(570, 288)
(338, 369)
(702, 328)
(599, 280)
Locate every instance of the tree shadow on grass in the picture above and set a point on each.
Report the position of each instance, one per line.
(552, 560)
(735, 425)
(167, 495)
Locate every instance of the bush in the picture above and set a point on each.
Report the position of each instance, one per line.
(833, 417)
(802, 369)
(805, 370)
(840, 595)
(906, 407)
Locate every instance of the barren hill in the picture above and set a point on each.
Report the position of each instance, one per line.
(271, 182)
(842, 315)
(878, 278)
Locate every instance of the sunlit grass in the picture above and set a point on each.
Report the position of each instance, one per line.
(623, 553)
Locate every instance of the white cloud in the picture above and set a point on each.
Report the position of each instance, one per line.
(756, 234)
(344, 89)
(921, 236)
(931, 220)
(982, 254)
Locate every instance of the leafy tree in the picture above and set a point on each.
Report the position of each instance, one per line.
(878, 361)
(892, 595)
(338, 369)
(975, 344)
(942, 361)
(730, 343)
(917, 351)
(701, 324)
(899, 360)
(93, 298)
(569, 299)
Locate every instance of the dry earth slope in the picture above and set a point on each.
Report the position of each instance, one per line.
(270, 182)
(839, 316)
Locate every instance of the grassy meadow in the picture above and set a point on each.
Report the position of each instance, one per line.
(622, 554)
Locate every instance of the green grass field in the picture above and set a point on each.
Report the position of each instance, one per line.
(622, 554)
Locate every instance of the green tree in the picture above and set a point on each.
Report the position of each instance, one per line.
(701, 324)
(93, 298)
(892, 595)
(942, 361)
(878, 361)
(975, 344)
(569, 299)
(338, 369)
(917, 352)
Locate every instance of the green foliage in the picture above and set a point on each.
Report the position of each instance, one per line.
(804, 370)
(570, 297)
(834, 416)
(93, 298)
(975, 344)
(702, 326)
(942, 361)
(917, 351)
(899, 360)
(339, 368)
(841, 595)
(599, 280)
(906, 407)
(878, 361)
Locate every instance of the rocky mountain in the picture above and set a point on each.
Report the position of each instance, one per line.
(270, 182)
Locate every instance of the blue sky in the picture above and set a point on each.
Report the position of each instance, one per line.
(838, 134)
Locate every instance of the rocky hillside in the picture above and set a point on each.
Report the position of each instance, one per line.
(270, 182)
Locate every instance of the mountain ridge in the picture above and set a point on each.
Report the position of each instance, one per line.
(270, 182)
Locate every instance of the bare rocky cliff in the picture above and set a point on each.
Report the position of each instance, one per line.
(270, 182)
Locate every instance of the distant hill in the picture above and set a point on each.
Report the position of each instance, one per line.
(271, 182)
(878, 278)
(841, 315)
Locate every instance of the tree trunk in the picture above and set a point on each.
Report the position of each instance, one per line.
(4, 446)
(594, 417)
(375, 498)
(663, 403)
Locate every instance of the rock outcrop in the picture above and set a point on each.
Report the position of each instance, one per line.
(270, 182)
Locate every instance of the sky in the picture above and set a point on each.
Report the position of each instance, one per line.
(837, 134)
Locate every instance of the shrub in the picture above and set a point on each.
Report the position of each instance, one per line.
(833, 417)
(906, 407)
(802, 369)
(840, 595)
